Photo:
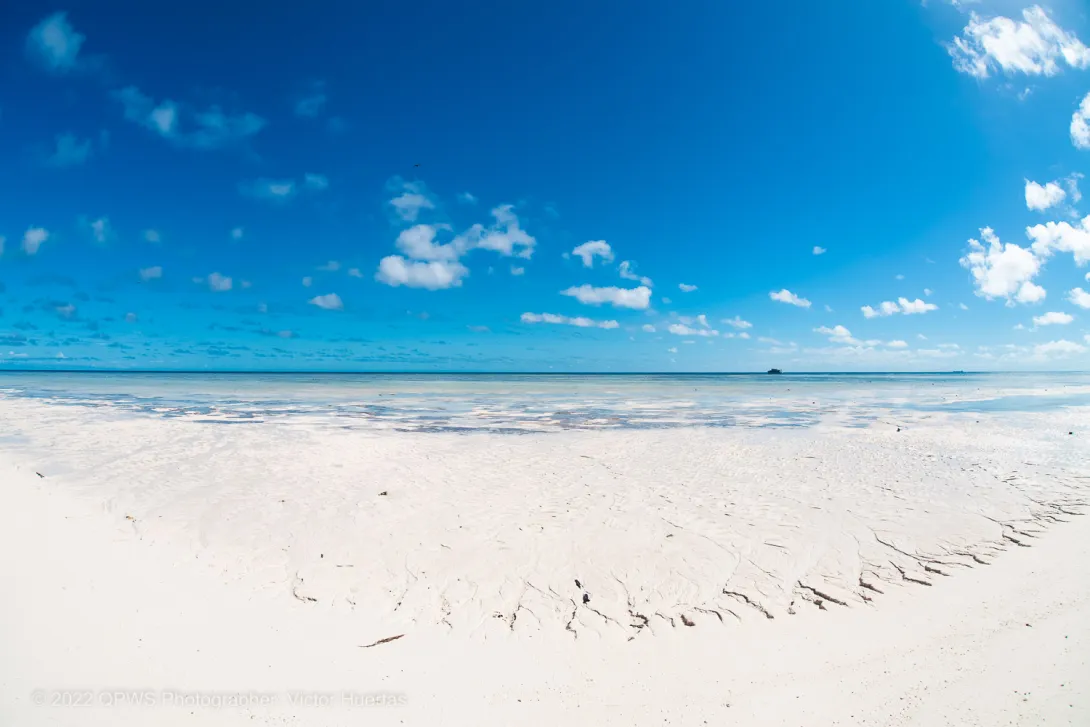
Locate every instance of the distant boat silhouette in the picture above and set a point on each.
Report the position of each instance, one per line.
(775, 371)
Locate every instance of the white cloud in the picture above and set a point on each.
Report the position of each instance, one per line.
(237, 233)
(1079, 297)
(413, 199)
(648, 328)
(897, 344)
(963, 306)
(1032, 46)
(1057, 349)
(910, 307)
(330, 267)
(636, 298)
(33, 239)
(152, 236)
(681, 329)
(666, 301)
(505, 236)
(418, 243)
(818, 250)
(2, 241)
(839, 334)
(354, 273)
(1002, 270)
(1064, 237)
(886, 308)
(395, 270)
(316, 182)
(1053, 318)
(1040, 197)
(672, 349)
(1080, 124)
(565, 320)
(1030, 293)
(100, 230)
(184, 127)
(312, 104)
(517, 270)
(308, 281)
(329, 301)
(219, 283)
(69, 151)
(66, 311)
(686, 288)
(55, 44)
(274, 190)
(131, 318)
(590, 250)
(786, 296)
(738, 323)
(927, 292)
(627, 271)
(467, 198)
(152, 273)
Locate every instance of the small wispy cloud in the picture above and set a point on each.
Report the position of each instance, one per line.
(33, 239)
(330, 301)
(312, 103)
(786, 296)
(686, 288)
(55, 45)
(70, 151)
(579, 321)
(152, 273)
(211, 128)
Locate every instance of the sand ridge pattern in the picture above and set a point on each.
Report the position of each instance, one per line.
(614, 535)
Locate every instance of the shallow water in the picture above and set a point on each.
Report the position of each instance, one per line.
(521, 403)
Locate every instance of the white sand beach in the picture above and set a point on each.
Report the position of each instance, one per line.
(923, 570)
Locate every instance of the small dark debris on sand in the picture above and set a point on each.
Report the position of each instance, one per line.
(40, 475)
(586, 598)
(384, 493)
(387, 640)
(578, 584)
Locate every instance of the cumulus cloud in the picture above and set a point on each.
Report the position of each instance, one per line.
(682, 329)
(504, 236)
(838, 334)
(413, 199)
(1053, 318)
(185, 127)
(886, 308)
(1041, 197)
(637, 298)
(1080, 124)
(738, 323)
(354, 273)
(590, 250)
(1033, 46)
(55, 45)
(330, 301)
(1056, 349)
(910, 307)
(517, 270)
(395, 270)
(897, 344)
(786, 296)
(647, 328)
(33, 239)
(565, 320)
(627, 270)
(219, 283)
(152, 273)
(1079, 297)
(69, 151)
(818, 250)
(685, 288)
(1064, 237)
(1003, 270)
(418, 243)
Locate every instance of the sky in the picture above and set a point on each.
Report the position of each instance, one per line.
(613, 186)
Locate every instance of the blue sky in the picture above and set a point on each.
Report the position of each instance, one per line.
(624, 187)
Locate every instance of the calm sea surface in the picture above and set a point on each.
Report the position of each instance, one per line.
(519, 403)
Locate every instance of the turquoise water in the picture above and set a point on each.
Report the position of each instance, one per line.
(525, 403)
